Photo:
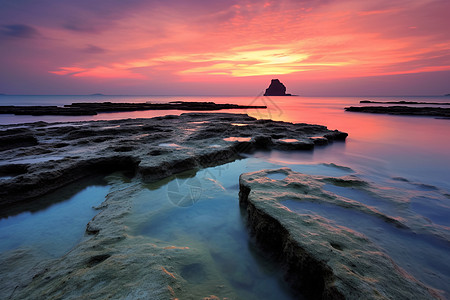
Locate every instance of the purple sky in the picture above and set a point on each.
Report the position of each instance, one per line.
(317, 47)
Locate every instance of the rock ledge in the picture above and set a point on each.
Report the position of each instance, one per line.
(322, 260)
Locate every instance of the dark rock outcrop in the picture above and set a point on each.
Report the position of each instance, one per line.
(402, 110)
(276, 88)
(88, 109)
(18, 137)
(404, 102)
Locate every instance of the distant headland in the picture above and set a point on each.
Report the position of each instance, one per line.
(276, 88)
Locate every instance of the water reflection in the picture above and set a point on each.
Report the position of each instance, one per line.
(237, 139)
(57, 222)
(212, 224)
(414, 147)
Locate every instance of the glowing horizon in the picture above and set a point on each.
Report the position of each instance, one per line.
(152, 47)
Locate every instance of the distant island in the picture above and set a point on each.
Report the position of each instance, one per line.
(276, 88)
(97, 94)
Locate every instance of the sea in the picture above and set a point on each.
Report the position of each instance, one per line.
(406, 154)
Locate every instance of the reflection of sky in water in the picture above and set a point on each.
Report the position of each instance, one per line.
(237, 139)
(289, 140)
(55, 229)
(276, 176)
(214, 223)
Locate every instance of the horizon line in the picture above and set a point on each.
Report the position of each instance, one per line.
(193, 95)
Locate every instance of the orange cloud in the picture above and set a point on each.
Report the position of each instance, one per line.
(67, 71)
(335, 38)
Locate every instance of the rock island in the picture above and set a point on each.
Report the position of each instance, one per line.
(276, 88)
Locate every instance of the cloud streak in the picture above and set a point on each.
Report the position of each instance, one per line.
(92, 49)
(20, 31)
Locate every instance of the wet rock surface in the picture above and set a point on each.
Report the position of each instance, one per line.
(322, 259)
(88, 109)
(403, 110)
(151, 148)
(14, 138)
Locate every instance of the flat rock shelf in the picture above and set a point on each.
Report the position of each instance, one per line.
(322, 259)
(94, 108)
(39, 157)
(405, 102)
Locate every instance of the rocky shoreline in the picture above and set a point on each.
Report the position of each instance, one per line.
(94, 108)
(321, 261)
(150, 149)
(403, 110)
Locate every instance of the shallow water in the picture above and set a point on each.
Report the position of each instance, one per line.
(58, 226)
(201, 211)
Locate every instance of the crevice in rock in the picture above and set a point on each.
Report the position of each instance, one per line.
(305, 274)
(95, 260)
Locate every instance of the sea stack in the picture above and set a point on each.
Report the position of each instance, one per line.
(276, 88)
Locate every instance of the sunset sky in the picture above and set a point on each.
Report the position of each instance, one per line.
(155, 47)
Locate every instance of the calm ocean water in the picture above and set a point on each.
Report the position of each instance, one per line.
(410, 146)
(407, 154)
